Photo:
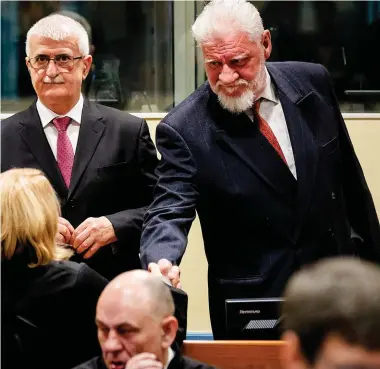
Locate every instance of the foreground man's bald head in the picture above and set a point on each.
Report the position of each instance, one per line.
(135, 319)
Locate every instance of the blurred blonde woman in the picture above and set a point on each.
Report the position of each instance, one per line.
(48, 303)
(30, 212)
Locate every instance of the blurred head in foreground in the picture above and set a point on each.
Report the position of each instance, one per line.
(332, 316)
(29, 218)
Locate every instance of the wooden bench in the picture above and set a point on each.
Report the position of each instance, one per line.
(236, 354)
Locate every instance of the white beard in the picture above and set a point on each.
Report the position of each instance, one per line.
(247, 98)
(237, 104)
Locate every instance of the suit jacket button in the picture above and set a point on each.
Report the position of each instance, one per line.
(333, 195)
(72, 204)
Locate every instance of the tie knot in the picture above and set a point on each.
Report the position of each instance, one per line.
(256, 106)
(61, 123)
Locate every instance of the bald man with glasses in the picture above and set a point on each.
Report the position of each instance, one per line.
(100, 160)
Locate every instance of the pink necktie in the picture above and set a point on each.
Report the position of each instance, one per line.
(65, 152)
(265, 129)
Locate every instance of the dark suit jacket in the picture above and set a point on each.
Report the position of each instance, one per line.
(48, 314)
(178, 362)
(43, 307)
(259, 224)
(113, 174)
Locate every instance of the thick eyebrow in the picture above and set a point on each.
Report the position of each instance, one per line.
(127, 325)
(210, 60)
(240, 57)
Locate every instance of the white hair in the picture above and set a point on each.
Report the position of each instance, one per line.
(59, 27)
(226, 17)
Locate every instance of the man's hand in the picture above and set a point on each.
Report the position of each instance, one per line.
(145, 360)
(65, 231)
(91, 235)
(167, 271)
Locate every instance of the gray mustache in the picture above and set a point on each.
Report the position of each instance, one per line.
(53, 81)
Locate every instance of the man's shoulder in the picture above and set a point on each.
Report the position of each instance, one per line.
(300, 77)
(189, 108)
(115, 117)
(291, 67)
(9, 123)
(95, 363)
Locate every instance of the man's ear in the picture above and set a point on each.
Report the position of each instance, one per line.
(87, 61)
(266, 42)
(27, 64)
(291, 354)
(169, 331)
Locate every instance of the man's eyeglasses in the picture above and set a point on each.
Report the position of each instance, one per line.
(63, 60)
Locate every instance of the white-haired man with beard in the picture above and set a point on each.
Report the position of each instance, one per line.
(262, 153)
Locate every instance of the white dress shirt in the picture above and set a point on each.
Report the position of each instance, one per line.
(170, 357)
(271, 111)
(46, 116)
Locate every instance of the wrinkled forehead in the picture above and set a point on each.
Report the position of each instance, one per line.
(48, 46)
(229, 47)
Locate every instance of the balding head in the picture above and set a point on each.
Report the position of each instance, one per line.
(140, 289)
(135, 315)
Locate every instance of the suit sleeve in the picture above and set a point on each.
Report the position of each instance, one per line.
(359, 203)
(169, 218)
(127, 223)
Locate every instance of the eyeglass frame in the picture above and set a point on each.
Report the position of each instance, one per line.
(55, 61)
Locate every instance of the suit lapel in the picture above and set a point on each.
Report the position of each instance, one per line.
(34, 137)
(294, 104)
(90, 133)
(239, 135)
(268, 167)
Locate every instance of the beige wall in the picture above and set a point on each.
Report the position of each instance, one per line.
(365, 135)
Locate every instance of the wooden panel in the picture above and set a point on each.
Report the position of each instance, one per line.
(236, 354)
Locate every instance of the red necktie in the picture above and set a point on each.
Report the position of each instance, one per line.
(266, 130)
(65, 152)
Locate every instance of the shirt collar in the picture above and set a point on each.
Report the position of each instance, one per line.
(170, 357)
(269, 91)
(268, 94)
(47, 115)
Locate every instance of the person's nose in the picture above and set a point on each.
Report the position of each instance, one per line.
(228, 76)
(52, 69)
(112, 343)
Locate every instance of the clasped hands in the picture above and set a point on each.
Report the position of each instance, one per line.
(88, 237)
(94, 233)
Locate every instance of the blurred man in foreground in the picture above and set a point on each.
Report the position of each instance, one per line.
(136, 326)
(332, 316)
